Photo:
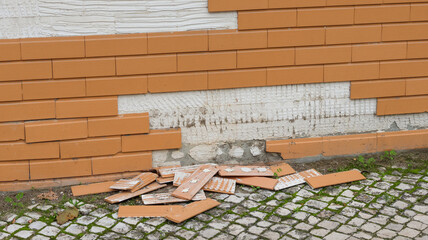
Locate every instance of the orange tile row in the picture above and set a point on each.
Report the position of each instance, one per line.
(331, 16)
(349, 144)
(402, 105)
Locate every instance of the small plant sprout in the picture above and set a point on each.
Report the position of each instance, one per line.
(15, 202)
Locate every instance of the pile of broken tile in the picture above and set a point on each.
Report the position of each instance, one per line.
(192, 181)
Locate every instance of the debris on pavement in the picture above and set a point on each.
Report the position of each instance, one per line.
(67, 215)
(48, 196)
(335, 178)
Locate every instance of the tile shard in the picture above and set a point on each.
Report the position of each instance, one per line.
(282, 169)
(122, 196)
(162, 180)
(161, 198)
(125, 184)
(262, 182)
(238, 171)
(335, 178)
(148, 211)
(295, 179)
(93, 188)
(145, 179)
(195, 182)
(216, 184)
(179, 215)
(170, 171)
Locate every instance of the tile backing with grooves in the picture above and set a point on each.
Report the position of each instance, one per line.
(216, 184)
(295, 179)
(195, 182)
(161, 198)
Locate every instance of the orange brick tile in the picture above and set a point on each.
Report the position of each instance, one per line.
(86, 107)
(178, 82)
(265, 58)
(206, 61)
(296, 3)
(419, 12)
(305, 147)
(10, 50)
(417, 86)
(402, 1)
(116, 45)
(89, 67)
(233, 39)
(376, 89)
(325, 16)
(90, 147)
(382, 14)
(353, 34)
(14, 171)
(351, 72)
(349, 144)
(402, 140)
(11, 131)
(155, 140)
(266, 19)
(122, 163)
(295, 75)
(296, 37)
(379, 51)
(10, 91)
(59, 168)
(397, 69)
(404, 31)
(402, 105)
(233, 5)
(279, 146)
(237, 79)
(28, 110)
(116, 86)
(120, 125)
(25, 151)
(320, 55)
(51, 130)
(146, 64)
(53, 47)
(46, 89)
(352, 2)
(417, 49)
(28, 70)
(192, 41)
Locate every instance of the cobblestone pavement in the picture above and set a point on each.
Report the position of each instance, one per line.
(390, 205)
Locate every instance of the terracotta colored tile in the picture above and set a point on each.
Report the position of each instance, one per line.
(116, 86)
(123, 196)
(377, 89)
(231, 171)
(28, 110)
(144, 179)
(279, 146)
(296, 3)
(47, 89)
(147, 211)
(402, 1)
(306, 147)
(93, 188)
(397, 69)
(349, 144)
(24, 151)
(165, 198)
(325, 16)
(191, 41)
(10, 50)
(178, 82)
(382, 14)
(233, 39)
(86, 107)
(417, 49)
(171, 170)
(352, 2)
(382, 51)
(418, 86)
(90, 147)
(10, 91)
(11, 131)
(120, 125)
(28, 70)
(296, 37)
(404, 31)
(162, 180)
(237, 79)
(402, 105)
(182, 214)
(233, 5)
(45, 169)
(353, 34)
(216, 184)
(262, 182)
(146, 64)
(295, 179)
(419, 12)
(282, 169)
(266, 19)
(402, 140)
(116, 45)
(122, 163)
(124, 184)
(88, 67)
(295, 75)
(53, 47)
(266, 58)
(335, 178)
(351, 72)
(51, 130)
(319, 55)
(14, 171)
(155, 140)
(206, 61)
